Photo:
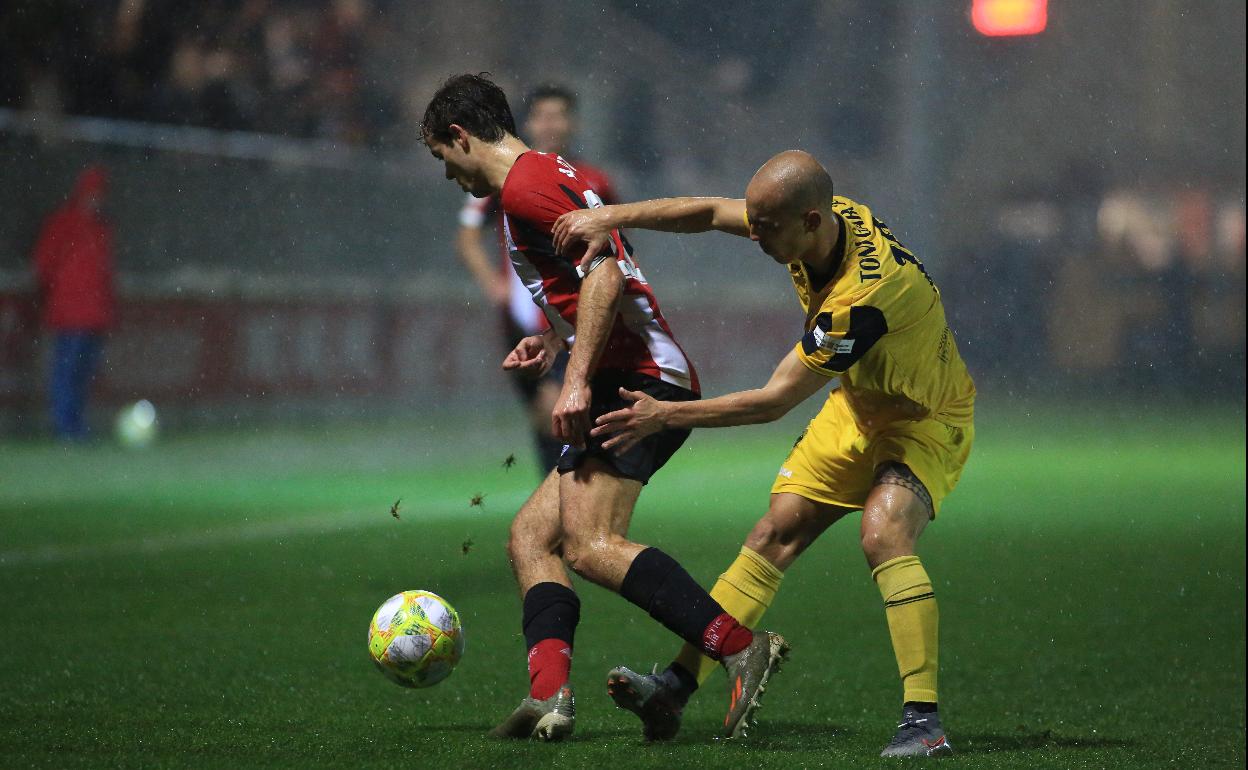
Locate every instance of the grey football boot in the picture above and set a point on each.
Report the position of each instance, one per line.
(748, 674)
(551, 719)
(918, 735)
(651, 698)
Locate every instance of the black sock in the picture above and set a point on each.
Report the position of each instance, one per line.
(661, 587)
(551, 611)
(922, 707)
(683, 679)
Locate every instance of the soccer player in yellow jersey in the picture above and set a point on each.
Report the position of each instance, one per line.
(891, 441)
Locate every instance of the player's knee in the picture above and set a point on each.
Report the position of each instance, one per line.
(777, 544)
(884, 540)
(764, 537)
(586, 563)
(524, 543)
(874, 545)
(583, 556)
(515, 547)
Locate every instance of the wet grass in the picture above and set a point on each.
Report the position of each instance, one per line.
(205, 603)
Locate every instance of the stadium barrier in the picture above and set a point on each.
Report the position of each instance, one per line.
(215, 356)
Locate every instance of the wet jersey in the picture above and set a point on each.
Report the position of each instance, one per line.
(538, 190)
(477, 211)
(878, 324)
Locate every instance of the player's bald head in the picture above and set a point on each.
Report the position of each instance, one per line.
(791, 182)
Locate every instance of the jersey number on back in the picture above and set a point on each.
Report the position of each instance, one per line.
(901, 254)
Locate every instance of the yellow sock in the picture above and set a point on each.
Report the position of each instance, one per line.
(913, 621)
(745, 592)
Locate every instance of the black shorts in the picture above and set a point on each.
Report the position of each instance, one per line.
(648, 455)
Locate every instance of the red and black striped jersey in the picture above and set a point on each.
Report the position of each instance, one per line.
(477, 211)
(538, 190)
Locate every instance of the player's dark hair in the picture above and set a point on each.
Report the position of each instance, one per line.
(472, 101)
(551, 91)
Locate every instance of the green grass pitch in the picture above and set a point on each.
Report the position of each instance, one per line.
(205, 603)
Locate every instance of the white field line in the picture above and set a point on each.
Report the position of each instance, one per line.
(275, 530)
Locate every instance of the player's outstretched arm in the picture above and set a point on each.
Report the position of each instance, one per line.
(790, 384)
(670, 215)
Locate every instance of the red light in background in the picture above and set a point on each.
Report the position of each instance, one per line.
(1002, 18)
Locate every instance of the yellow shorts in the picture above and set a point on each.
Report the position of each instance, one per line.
(834, 462)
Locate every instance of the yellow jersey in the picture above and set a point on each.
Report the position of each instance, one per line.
(879, 325)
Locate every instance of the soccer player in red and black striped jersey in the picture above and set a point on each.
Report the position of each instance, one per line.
(548, 127)
(601, 309)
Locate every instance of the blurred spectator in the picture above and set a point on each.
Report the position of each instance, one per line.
(1158, 298)
(279, 66)
(73, 262)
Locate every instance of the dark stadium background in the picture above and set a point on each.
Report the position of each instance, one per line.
(291, 303)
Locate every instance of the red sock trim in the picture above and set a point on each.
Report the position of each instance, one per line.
(550, 663)
(725, 636)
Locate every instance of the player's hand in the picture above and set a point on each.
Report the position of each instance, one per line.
(530, 357)
(569, 422)
(628, 426)
(589, 226)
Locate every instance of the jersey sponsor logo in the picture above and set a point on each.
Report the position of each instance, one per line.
(866, 325)
(788, 474)
(827, 342)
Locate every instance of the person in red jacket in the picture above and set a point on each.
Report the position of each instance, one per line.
(74, 273)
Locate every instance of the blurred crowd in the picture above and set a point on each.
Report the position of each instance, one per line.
(292, 67)
(1143, 283)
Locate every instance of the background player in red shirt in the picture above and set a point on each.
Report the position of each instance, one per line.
(73, 264)
(549, 126)
(600, 307)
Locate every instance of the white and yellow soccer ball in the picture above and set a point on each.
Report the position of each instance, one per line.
(416, 639)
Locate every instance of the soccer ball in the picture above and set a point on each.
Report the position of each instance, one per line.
(415, 639)
(136, 425)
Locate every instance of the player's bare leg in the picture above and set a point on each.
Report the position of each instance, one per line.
(596, 507)
(534, 546)
(897, 511)
(789, 526)
(549, 712)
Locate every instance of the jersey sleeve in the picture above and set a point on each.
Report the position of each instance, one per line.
(538, 206)
(840, 336)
